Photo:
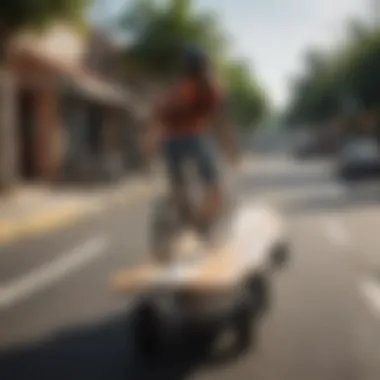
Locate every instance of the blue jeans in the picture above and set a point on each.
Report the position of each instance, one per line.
(178, 151)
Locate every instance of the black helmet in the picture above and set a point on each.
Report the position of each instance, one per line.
(195, 60)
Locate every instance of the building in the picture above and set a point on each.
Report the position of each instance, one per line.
(69, 115)
(103, 59)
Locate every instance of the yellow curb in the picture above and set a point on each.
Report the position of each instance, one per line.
(39, 223)
(57, 218)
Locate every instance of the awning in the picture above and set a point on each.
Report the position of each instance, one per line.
(96, 90)
(77, 80)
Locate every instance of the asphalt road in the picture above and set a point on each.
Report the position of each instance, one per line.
(59, 321)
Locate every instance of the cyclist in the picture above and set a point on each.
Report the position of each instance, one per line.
(181, 122)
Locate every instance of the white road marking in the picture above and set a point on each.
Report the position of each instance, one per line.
(371, 292)
(36, 280)
(336, 232)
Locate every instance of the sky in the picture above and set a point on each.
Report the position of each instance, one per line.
(273, 35)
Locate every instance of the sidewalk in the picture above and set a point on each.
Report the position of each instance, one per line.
(39, 210)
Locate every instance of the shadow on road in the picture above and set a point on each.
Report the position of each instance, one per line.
(102, 352)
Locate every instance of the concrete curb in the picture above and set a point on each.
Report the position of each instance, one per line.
(64, 216)
(40, 223)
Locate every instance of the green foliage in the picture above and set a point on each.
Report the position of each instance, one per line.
(352, 71)
(18, 14)
(315, 94)
(247, 102)
(156, 31)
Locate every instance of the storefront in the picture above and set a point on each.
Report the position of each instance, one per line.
(65, 116)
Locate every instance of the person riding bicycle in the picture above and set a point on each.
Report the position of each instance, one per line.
(181, 123)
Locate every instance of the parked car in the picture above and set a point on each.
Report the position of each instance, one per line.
(359, 159)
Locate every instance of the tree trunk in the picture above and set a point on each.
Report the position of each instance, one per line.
(7, 120)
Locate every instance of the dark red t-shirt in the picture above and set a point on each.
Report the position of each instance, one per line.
(186, 108)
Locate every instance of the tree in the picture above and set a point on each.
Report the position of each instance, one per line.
(357, 30)
(315, 93)
(352, 72)
(361, 69)
(316, 61)
(155, 32)
(16, 15)
(247, 101)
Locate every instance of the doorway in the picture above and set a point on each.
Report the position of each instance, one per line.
(26, 134)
